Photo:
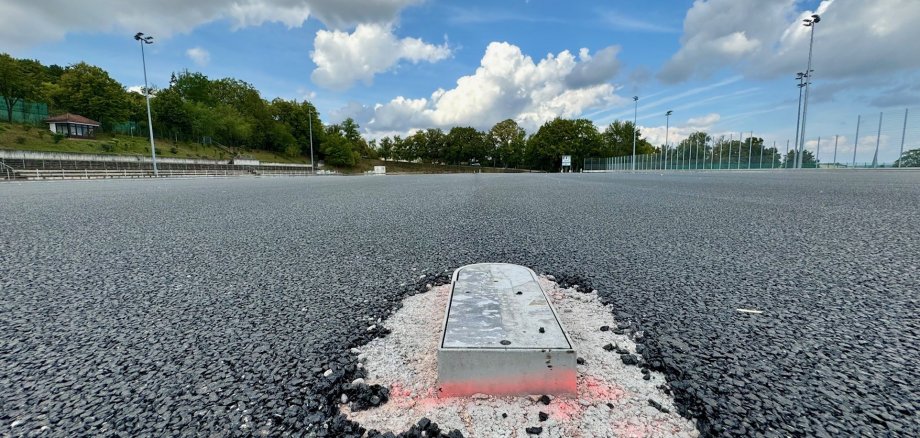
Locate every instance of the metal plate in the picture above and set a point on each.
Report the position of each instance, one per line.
(500, 306)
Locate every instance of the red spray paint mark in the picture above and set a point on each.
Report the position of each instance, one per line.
(595, 389)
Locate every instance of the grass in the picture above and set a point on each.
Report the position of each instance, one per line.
(17, 136)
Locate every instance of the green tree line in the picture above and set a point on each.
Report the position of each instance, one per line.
(227, 111)
(233, 113)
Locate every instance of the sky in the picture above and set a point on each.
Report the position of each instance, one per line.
(723, 66)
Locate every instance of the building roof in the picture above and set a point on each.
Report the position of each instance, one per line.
(71, 118)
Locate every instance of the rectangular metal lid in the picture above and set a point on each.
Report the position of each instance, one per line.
(500, 306)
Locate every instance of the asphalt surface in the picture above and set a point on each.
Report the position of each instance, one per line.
(220, 306)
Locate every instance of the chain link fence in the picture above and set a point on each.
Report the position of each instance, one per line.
(879, 140)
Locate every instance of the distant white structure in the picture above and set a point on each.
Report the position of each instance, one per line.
(72, 125)
(380, 170)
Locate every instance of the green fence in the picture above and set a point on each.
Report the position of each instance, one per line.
(25, 111)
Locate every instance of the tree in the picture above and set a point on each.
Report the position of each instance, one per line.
(350, 129)
(195, 87)
(507, 142)
(89, 91)
(617, 140)
(464, 145)
(300, 118)
(386, 148)
(19, 80)
(338, 151)
(171, 115)
(399, 149)
(808, 159)
(558, 137)
(910, 158)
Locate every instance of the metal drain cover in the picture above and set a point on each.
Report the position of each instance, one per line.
(501, 336)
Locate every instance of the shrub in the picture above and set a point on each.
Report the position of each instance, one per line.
(58, 138)
(27, 127)
(174, 150)
(41, 133)
(20, 140)
(108, 147)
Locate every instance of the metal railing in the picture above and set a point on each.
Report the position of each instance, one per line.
(77, 169)
(8, 171)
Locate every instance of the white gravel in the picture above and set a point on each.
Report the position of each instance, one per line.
(613, 399)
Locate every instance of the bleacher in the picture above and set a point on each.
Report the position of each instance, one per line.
(32, 169)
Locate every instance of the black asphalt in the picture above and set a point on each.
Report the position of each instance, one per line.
(215, 306)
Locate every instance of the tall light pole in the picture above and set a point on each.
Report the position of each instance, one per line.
(800, 76)
(808, 22)
(667, 126)
(635, 118)
(312, 163)
(153, 150)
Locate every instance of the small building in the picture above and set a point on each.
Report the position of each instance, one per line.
(73, 125)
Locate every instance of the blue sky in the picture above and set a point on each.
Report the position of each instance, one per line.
(397, 65)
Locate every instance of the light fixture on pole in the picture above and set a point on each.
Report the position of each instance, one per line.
(812, 23)
(142, 39)
(667, 126)
(635, 118)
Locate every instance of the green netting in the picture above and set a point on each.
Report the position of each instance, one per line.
(25, 111)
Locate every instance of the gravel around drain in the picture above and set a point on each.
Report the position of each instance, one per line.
(614, 399)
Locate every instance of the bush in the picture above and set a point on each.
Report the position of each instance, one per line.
(20, 140)
(58, 138)
(174, 150)
(108, 147)
(27, 127)
(293, 150)
(41, 133)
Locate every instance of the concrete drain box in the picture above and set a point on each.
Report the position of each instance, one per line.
(501, 336)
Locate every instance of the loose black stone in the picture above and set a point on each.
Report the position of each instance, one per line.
(604, 328)
(543, 416)
(544, 399)
(580, 361)
(629, 359)
(608, 347)
(534, 430)
(191, 296)
(542, 330)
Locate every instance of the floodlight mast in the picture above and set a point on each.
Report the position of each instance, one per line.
(146, 39)
(667, 129)
(800, 76)
(635, 118)
(812, 23)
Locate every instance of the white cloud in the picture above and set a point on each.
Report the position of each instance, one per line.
(200, 56)
(24, 24)
(507, 84)
(677, 132)
(623, 22)
(705, 121)
(766, 38)
(344, 58)
(600, 68)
